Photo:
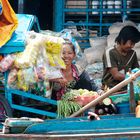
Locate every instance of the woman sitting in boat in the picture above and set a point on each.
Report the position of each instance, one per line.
(71, 77)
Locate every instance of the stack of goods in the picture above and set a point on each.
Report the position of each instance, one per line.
(94, 58)
(31, 69)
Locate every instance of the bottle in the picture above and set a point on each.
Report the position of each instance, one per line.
(137, 110)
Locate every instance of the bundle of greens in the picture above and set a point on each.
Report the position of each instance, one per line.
(67, 105)
(73, 100)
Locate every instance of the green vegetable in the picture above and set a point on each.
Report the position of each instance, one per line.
(67, 105)
(66, 108)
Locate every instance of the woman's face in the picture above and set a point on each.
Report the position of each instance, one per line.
(127, 46)
(68, 54)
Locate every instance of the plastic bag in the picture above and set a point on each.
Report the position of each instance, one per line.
(53, 48)
(21, 84)
(95, 70)
(53, 72)
(6, 63)
(94, 55)
(117, 26)
(12, 78)
(28, 57)
(41, 72)
(58, 61)
(41, 63)
(30, 76)
(97, 42)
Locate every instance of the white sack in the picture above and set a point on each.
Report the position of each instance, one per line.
(111, 40)
(117, 26)
(94, 54)
(98, 41)
(138, 52)
(95, 70)
(137, 45)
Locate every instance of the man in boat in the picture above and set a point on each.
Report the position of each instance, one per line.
(120, 58)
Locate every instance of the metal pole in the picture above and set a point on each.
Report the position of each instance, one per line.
(58, 15)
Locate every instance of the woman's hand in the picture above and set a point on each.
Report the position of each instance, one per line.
(63, 82)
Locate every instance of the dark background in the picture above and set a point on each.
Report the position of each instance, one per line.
(43, 9)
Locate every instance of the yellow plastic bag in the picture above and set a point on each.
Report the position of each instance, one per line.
(8, 22)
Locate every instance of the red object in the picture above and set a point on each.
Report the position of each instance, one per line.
(85, 99)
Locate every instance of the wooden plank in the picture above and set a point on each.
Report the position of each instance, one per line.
(132, 99)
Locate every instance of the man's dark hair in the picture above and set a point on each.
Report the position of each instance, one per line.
(128, 33)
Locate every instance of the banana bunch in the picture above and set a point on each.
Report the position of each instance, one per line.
(52, 47)
(53, 50)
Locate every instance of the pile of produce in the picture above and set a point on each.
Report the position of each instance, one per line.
(73, 100)
(32, 69)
